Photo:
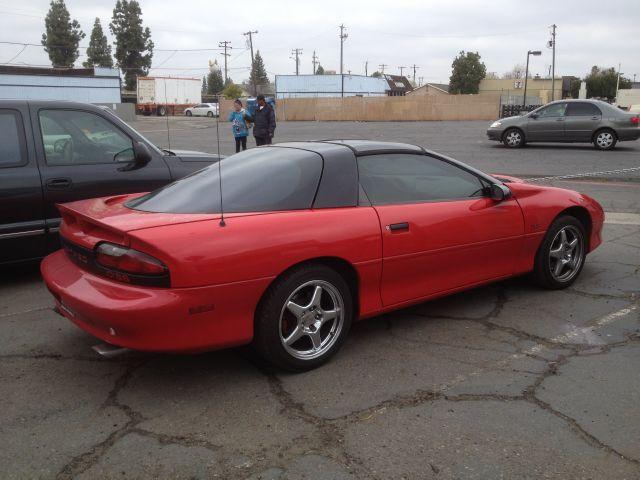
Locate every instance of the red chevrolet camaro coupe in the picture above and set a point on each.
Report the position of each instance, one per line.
(310, 237)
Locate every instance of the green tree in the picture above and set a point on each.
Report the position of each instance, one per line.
(467, 73)
(258, 76)
(204, 84)
(320, 70)
(62, 35)
(232, 91)
(376, 74)
(134, 48)
(601, 82)
(99, 51)
(574, 87)
(214, 82)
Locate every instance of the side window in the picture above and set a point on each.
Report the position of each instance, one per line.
(555, 110)
(13, 152)
(405, 178)
(583, 109)
(76, 137)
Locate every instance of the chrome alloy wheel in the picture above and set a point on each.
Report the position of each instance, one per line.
(311, 319)
(514, 138)
(566, 254)
(604, 139)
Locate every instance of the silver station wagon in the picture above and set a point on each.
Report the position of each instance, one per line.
(589, 121)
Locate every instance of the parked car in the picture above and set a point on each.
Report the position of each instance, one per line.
(590, 121)
(57, 152)
(343, 230)
(203, 110)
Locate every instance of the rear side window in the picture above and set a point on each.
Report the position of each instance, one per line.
(403, 178)
(257, 180)
(555, 110)
(583, 108)
(12, 142)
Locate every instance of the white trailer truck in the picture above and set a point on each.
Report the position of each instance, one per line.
(167, 95)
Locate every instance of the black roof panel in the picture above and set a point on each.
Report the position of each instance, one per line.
(369, 147)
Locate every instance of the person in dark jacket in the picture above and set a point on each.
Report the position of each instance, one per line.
(264, 122)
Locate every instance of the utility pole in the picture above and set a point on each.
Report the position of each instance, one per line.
(420, 80)
(382, 66)
(343, 37)
(227, 46)
(415, 67)
(401, 69)
(366, 73)
(618, 81)
(315, 61)
(552, 44)
(250, 35)
(297, 52)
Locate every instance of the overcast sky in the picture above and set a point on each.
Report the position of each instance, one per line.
(399, 32)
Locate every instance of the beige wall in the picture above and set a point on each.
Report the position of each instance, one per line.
(540, 87)
(382, 109)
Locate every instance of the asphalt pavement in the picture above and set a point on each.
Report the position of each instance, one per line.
(503, 381)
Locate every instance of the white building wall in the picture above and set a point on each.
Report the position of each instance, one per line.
(300, 86)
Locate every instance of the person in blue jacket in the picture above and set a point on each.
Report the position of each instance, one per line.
(239, 125)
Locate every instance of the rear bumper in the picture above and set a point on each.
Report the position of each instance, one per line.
(627, 134)
(153, 319)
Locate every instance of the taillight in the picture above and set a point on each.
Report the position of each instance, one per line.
(130, 265)
(635, 120)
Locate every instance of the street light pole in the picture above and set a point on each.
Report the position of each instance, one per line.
(535, 53)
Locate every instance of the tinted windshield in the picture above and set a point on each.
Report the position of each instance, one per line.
(257, 180)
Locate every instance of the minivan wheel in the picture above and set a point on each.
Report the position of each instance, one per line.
(513, 138)
(605, 139)
(304, 318)
(561, 255)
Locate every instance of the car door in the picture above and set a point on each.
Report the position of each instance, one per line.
(581, 120)
(83, 154)
(547, 124)
(199, 110)
(439, 230)
(22, 228)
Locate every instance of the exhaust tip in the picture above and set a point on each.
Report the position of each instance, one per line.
(107, 350)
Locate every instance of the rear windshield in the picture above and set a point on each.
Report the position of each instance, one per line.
(257, 180)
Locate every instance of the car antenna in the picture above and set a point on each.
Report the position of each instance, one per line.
(222, 224)
(166, 114)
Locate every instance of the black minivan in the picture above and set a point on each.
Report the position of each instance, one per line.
(55, 152)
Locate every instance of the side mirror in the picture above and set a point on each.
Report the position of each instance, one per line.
(142, 153)
(499, 192)
(125, 156)
(533, 115)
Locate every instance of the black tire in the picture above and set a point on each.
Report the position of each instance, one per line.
(210, 114)
(546, 259)
(274, 322)
(188, 113)
(513, 138)
(162, 111)
(605, 139)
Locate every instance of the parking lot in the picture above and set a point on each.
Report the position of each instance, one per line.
(504, 381)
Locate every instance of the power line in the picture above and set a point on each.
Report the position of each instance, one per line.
(27, 44)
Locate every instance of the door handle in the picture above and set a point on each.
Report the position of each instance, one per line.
(394, 227)
(595, 118)
(559, 119)
(59, 183)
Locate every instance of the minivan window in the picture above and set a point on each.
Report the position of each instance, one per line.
(583, 109)
(12, 141)
(257, 180)
(78, 137)
(406, 178)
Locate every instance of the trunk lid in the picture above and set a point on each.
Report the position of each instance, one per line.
(86, 222)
